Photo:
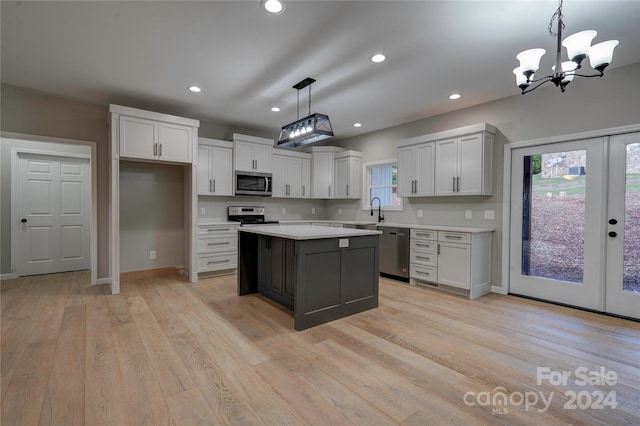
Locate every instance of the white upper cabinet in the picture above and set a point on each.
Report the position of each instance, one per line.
(453, 162)
(215, 167)
(252, 154)
(416, 170)
(290, 179)
(323, 171)
(348, 165)
(146, 135)
(464, 165)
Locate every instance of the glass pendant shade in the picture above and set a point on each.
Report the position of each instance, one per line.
(601, 54)
(567, 67)
(530, 60)
(521, 79)
(578, 45)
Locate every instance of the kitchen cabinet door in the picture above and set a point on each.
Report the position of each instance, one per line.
(294, 177)
(262, 156)
(342, 178)
(446, 166)
(279, 176)
(244, 156)
(221, 171)
(322, 175)
(416, 170)
(138, 138)
(464, 165)
(306, 178)
(174, 143)
(454, 265)
(470, 165)
(204, 169)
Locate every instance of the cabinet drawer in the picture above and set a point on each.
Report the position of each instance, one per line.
(424, 234)
(217, 261)
(213, 243)
(455, 237)
(219, 231)
(423, 258)
(426, 273)
(423, 245)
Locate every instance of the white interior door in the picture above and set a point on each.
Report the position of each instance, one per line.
(558, 225)
(53, 195)
(623, 233)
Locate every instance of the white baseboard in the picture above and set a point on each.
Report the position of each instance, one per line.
(6, 276)
(496, 289)
(106, 280)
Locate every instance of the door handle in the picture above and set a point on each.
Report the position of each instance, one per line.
(613, 234)
(24, 221)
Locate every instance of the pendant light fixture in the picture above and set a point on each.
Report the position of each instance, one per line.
(313, 128)
(578, 48)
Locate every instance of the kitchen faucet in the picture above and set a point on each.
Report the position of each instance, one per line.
(380, 216)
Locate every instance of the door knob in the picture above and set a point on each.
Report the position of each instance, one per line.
(612, 221)
(24, 221)
(613, 234)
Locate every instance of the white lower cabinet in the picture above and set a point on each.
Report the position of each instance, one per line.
(217, 247)
(459, 262)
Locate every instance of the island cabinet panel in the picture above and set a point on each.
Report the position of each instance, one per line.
(276, 275)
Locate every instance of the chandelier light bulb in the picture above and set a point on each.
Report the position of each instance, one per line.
(568, 67)
(578, 45)
(521, 79)
(601, 54)
(530, 60)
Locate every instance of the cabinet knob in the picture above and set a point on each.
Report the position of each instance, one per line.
(613, 222)
(613, 234)
(23, 220)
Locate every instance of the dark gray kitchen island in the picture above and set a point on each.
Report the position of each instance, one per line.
(320, 273)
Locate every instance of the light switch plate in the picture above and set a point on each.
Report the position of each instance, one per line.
(203, 211)
(489, 214)
(420, 212)
(343, 242)
(468, 214)
(152, 254)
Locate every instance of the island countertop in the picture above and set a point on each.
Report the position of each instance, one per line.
(306, 232)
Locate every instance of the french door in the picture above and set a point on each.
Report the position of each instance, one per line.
(574, 238)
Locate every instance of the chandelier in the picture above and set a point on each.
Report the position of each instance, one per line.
(310, 129)
(578, 48)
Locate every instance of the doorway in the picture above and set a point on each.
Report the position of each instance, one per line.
(575, 223)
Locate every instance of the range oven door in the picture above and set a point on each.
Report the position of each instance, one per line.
(248, 183)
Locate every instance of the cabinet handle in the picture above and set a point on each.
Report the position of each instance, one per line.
(422, 257)
(422, 234)
(303, 190)
(210, 189)
(155, 149)
(160, 154)
(458, 184)
(453, 237)
(214, 185)
(438, 249)
(213, 262)
(347, 190)
(423, 272)
(454, 184)
(218, 244)
(423, 245)
(329, 190)
(218, 230)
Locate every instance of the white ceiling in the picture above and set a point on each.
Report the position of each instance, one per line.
(145, 54)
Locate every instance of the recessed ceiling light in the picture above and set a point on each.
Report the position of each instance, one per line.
(273, 6)
(357, 125)
(275, 109)
(454, 96)
(378, 57)
(195, 89)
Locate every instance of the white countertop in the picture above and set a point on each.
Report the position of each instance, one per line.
(469, 229)
(307, 232)
(292, 223)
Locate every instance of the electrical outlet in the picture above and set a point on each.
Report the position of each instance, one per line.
(284, 210)
(152, 254)
(490, 214)
(203, 211)
(468, 214)
(339, 211)
(313, 210)
(420, 212)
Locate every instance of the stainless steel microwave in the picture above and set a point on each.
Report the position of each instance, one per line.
(250, 183)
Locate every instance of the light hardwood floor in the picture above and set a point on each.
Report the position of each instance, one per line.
(166, 351)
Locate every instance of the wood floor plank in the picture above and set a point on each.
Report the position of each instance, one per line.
(190, 408)
(64, 401)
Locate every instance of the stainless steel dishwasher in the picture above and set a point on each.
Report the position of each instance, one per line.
(394, 252)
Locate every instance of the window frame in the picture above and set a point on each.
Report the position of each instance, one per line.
(366, 185)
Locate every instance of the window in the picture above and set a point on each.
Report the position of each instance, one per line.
(381, 180)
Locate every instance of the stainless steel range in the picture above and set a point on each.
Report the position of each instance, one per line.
(248, 216)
